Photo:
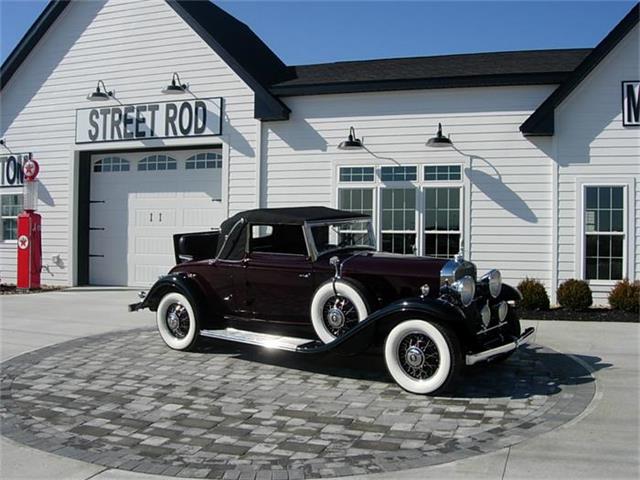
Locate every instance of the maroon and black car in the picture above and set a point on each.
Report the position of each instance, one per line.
(310, 280)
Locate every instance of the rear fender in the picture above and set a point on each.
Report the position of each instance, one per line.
(190, 285)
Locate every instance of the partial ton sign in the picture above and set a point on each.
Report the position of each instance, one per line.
(176, 119)
(631, 104)
(12, 174)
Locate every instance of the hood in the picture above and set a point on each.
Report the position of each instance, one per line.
(382, 263)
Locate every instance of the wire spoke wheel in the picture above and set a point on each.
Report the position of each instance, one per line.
(177, 319)
(418, 356)
(339, 315)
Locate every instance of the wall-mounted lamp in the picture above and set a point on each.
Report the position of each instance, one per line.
(351, 143)
(439, 140)
(101, 95)
(175, 86)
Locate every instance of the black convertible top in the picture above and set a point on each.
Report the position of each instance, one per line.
(233, 229)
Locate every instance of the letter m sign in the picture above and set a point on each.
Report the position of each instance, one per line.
(631, 104)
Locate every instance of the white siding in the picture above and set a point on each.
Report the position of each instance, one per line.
(593, 146)
(133, 47)
(510, 180)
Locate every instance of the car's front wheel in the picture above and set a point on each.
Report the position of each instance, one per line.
(177, 321)
(422, 357)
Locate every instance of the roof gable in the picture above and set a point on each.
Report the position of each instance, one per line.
(231, 39)
(541, 122)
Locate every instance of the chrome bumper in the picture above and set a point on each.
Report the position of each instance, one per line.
(488, 354)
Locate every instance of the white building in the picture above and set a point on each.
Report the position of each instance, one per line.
(544, 182)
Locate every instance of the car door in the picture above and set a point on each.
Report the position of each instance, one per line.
(278, 274)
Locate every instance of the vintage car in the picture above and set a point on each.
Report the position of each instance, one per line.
(310, 280)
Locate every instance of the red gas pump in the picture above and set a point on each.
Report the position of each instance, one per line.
(29, 225)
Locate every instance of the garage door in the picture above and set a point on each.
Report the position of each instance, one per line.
(138, 201)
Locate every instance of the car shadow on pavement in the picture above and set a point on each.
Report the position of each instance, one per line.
(532, 370)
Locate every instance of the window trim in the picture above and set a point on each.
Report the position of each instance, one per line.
(628, 247)
(10, 191)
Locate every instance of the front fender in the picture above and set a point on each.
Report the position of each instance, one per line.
(509, 294)
(374, 329)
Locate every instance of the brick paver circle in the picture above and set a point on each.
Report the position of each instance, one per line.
(124, 400)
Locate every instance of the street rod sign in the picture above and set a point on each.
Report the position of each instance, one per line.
(187, 118)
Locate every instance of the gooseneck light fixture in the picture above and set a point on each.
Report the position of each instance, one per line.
(439, 140)
(176, 86)
(100, 95)
(352, 142)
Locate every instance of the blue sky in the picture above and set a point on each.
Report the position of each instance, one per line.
(302, 32)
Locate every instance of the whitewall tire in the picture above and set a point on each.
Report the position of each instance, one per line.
(177, 321)
(332, 315)
(422, 357)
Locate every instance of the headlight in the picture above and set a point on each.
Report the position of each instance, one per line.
(466, 289)
(494, 279)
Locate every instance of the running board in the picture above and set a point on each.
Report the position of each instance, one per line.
(278, 342)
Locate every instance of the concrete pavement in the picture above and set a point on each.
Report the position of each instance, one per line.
(602, 442)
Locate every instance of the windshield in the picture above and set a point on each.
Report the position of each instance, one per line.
(343, 234)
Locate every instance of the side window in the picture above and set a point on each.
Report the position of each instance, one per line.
(283, 239)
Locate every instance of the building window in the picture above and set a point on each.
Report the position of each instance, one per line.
(358, 200)
(157, 162)
(442, 222)
(356, 174)
(604, 233)
(398, 174)
(442, 172)
(204, 160)
(399, 220)
(111, 164)
(10, 207)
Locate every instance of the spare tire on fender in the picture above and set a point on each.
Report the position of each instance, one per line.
(336, 308)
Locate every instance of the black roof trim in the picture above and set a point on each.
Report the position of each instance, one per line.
(251, 60)
(541, 122)
(49, 15)
(552, 78)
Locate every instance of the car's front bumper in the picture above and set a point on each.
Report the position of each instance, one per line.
(507, 347)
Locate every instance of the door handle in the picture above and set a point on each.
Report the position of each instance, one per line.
(151, 217)
(304, 275)
(160, 216)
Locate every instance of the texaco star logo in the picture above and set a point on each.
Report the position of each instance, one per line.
(30, 169)
(23, 242)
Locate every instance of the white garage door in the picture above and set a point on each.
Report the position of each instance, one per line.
(138, 201)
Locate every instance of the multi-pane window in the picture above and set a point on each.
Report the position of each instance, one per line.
(604, 233)
(398, 174)
(356, 174)
(157, 162)
(442, 172)
(111, 164)
(442, 221)
(204, 160)
(398, 220)
(358, 200)
(10, 207)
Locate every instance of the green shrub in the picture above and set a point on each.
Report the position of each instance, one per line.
(574, 295)
(534, 295)
(625, 296)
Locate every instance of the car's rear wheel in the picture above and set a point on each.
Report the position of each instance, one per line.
(177, 321)
(422, 357)
(334, 311)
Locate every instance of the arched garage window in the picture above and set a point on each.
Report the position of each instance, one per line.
(204, 160)
(157, 162)
(111, 164)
